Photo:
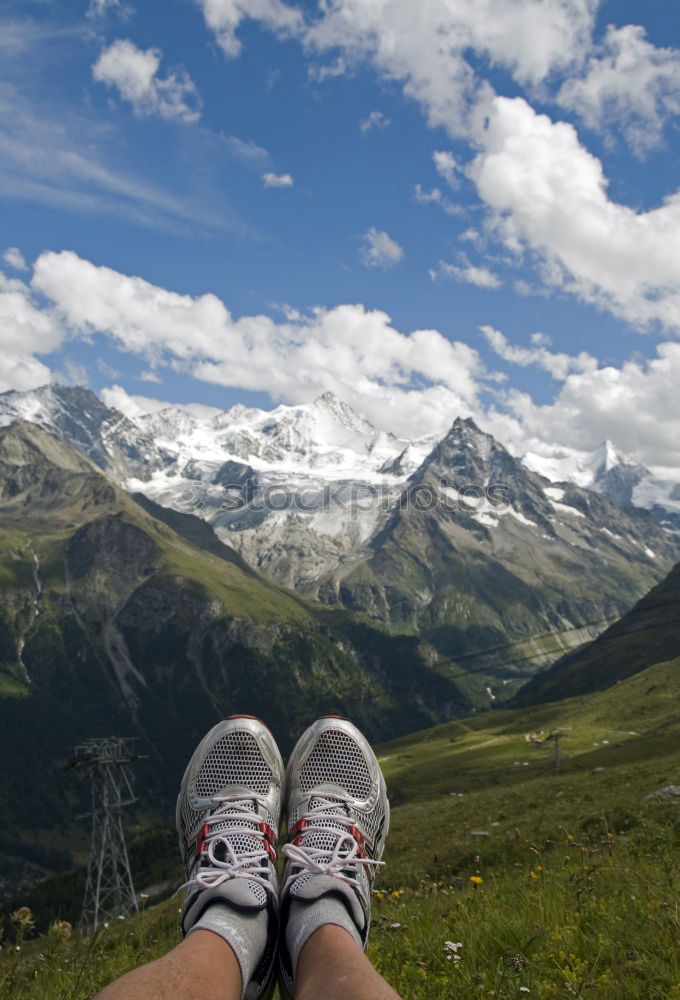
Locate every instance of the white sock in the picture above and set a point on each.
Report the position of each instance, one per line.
(245, 931)
(306, 917)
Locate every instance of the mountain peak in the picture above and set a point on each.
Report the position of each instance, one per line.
(328, 402)
(608, 456)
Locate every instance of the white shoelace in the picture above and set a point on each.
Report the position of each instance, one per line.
(243, 864)
(345, 852)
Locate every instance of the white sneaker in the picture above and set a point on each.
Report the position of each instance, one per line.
(228, 815)
(338, 817)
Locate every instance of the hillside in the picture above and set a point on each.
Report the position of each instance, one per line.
(552, 884)
(113, 620)
(648, 634)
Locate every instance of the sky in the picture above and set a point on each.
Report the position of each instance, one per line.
(434, 209)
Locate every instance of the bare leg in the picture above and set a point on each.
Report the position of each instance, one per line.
(202, 967)
(333, 966)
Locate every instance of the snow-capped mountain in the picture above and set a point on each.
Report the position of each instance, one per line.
(453, 539)
(615, 475)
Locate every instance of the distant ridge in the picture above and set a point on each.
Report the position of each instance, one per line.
(647, 635)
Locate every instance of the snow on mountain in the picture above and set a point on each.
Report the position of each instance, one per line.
(316, 478)
(614, 475)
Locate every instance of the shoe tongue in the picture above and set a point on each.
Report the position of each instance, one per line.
(314, 887)
(244, 894)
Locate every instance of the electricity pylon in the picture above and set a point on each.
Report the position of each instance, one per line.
(109, 893)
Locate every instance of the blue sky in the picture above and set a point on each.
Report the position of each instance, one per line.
(204, 205)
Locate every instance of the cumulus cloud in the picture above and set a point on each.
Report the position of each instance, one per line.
(134, 72)
(556, 364)
(223, 17)
(548, 195)
(412, 384)
(14, 257)
(376, 119)
(277, 180)
(629, 81)
(380, 250)
(466, 273)
(637, 406)
(26, 330)
(427, 45)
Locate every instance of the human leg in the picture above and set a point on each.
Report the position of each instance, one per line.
(202, 966)
(332, 965)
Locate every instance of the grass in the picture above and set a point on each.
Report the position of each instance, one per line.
(504, 878)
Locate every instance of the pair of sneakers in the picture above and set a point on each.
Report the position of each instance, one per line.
(234, 795)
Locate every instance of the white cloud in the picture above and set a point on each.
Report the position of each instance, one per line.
(106, 369)
(637, 406)
(548, 195)
(14, 257)
(277, 180)
(328, 72)
(72, 373)
(376, 119)
(134, 72)
(223, 17)
(410, 384)
(138, 406)
(380, 250)
(435, 197)
(245, 150)
(447, 167)
(630, 82)
(425, 45)
(25, 331)
(556, 364)
(466, 273)
(100, 8)
(116, 397)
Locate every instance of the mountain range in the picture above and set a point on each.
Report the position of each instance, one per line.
(454, 540)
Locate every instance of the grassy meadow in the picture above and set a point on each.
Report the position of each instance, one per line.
(504, 877)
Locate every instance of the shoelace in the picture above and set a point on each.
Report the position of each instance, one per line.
(242, 864)
(337, 861)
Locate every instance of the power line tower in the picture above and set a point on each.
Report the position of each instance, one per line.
(109, 892)
(556, 735)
